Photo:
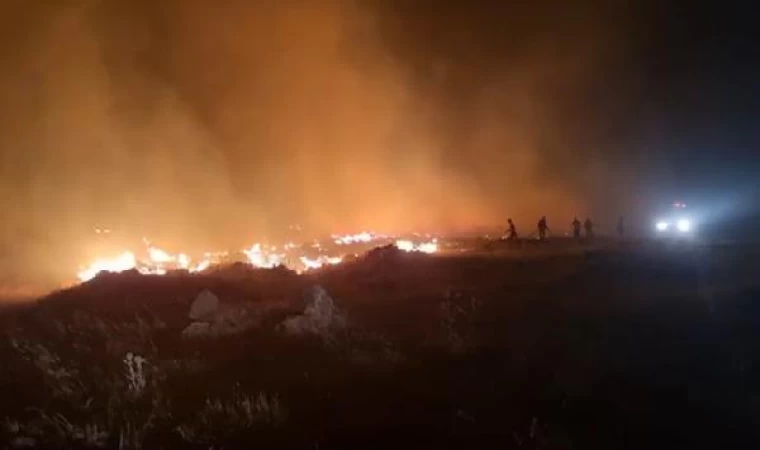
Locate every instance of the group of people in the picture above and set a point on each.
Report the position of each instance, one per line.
(543, 227)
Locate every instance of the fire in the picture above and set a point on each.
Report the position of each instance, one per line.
(121, 263)
(158, 262)
(183, 261)
(354, 238)
(160, 256)
(262, 258)
(320, 261)
(298, 257)
(425, 247)
(203, 265)
(161, 261)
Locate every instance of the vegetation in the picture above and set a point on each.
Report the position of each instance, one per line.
(605, 348)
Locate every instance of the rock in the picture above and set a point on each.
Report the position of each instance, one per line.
(197, 330)
(233, 320)
(23, 442)
(204, 306)
(362, 357)
(321, 308)
(212, 319)
(320, 317)
(226, 321)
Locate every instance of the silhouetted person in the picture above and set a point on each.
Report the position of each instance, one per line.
(621, 228)
(542, 228)
(589, 226)
(511, 230)
(576, 228)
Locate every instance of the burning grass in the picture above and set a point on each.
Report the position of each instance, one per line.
(299, 257)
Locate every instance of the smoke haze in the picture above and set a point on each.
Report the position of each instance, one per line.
(210, 125)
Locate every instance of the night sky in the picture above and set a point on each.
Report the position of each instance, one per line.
(204, 124)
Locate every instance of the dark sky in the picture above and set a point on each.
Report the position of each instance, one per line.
(205, 124)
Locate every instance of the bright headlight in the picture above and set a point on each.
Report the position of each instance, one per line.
(684, 225)
(661, 225)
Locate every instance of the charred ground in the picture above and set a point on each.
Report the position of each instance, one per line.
(557, 346)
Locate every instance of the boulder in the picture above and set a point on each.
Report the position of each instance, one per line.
(23, 442)
(320, 317)
(233, 320)
(204, 306)
(224, 321)
(197, 330)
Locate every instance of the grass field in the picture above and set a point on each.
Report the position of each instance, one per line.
(557, 346)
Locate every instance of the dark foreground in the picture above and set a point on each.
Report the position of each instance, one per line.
(608, 349)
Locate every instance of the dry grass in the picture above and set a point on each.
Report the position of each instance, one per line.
(578, 349)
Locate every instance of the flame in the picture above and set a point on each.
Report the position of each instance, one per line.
(161, 261)
(160, 256)
(259, 257)
(425, 247)
(121, 263)
(183, 261)
(298, 257)
(203, 265)
(316, 263)
(158, 262)
(353, 238)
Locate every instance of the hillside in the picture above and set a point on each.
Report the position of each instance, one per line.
(607, 348)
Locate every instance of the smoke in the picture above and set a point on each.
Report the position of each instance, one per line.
(210, 126)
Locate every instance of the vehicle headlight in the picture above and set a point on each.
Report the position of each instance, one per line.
(662, 225)
(684, 225)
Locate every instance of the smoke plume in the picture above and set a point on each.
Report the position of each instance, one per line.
(210, 125)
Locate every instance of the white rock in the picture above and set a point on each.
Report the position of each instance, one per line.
(232, 321)
(23, 442)
(204, 306)
(320, 316)
(197, 330)
(225, 321)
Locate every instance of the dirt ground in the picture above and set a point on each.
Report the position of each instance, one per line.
(561, 346)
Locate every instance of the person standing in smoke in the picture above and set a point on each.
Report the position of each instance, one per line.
(511, 230)
(576, 228)
(589, 226)
(542, 228)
